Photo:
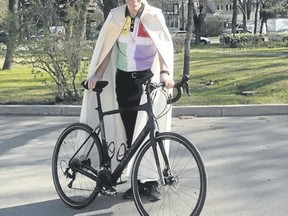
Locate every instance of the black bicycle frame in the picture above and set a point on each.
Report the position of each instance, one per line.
(148, 128)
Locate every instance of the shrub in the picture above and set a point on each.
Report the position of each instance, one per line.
(242, 40)
(213, 26)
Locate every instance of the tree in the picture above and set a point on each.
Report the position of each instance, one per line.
(58, 51)
(107, 5)
(234, 15)
(186, 67)
(199, 14)
(249, 8)
(183, 14)
(12, 32)
(243, 7)
(272, 9)
(256, 16)
(265, 13)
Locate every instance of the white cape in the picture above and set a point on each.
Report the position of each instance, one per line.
(154, 23)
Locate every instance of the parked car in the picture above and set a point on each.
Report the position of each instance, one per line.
(3, 37)
(177, 33)
(38, 35)
(181, 33)
(54, 31)
(203, 40)
(283, 31)
(280, 35)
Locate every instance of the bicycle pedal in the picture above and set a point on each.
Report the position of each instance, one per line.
(107, 191)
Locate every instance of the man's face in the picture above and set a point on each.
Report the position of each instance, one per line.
(133, 3)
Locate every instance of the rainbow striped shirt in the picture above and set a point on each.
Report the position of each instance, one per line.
(136, 50)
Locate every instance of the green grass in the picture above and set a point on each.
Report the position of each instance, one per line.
(18, 86)
(217, 77)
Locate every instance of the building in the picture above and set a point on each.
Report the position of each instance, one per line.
(176, 12)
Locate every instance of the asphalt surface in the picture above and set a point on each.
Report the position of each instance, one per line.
(246, 160)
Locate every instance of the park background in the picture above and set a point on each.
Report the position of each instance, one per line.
(47, 67)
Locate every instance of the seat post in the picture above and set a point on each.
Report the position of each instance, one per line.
(98, 99)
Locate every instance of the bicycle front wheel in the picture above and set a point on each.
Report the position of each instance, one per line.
(77, 147)
(182, 180)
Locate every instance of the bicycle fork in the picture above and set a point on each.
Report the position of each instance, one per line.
(162, 174)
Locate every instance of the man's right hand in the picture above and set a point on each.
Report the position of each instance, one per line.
(92, 81)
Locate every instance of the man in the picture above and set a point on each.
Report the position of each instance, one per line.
(134, 40)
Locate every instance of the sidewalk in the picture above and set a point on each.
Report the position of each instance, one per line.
(198, 111)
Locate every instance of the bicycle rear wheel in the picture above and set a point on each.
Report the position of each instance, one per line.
(184, 185)
(74, 188)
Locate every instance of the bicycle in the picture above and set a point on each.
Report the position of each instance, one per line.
(81, 162)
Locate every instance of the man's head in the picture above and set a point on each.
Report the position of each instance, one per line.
(133, 5)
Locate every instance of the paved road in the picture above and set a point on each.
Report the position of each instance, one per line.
(246, 160)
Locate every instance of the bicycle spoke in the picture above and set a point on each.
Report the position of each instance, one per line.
(184, 190)
(75, 189)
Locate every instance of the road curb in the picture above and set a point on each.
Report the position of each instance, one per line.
(199, 111)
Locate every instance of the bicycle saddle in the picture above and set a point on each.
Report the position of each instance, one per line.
(98, 87)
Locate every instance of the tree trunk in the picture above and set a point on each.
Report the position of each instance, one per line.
(243, 8)
(186, 67)
(256, 16)
(244, 22)
(13, 33)
(234, 16)
(183, 15)
(249, 9)
(263, 16)
(261, 26)
(83, 18)
(108, 5)
(199, 14)
(80, 27)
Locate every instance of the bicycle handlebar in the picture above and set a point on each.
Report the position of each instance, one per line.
(179, 86)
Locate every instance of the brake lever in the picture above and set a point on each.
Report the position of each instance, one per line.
(180, 86)
(186, 87)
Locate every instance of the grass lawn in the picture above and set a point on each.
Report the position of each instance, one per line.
(18, 86)
(217, 77)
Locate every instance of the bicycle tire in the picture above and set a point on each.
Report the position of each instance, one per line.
(81, 191)
(186, 193)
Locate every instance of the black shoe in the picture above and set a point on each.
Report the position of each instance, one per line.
(129, 193)
(152, 191)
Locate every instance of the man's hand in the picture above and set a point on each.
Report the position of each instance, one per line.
(92, 81)
(165, 78)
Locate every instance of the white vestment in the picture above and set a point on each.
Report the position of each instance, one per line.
(154, 23)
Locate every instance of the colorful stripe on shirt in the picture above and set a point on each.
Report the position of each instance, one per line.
(136, 50)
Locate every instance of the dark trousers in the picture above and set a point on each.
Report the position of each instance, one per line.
(128, 95)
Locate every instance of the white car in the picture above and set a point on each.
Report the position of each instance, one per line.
(280, 35)
(54, 31)
(181, 33)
